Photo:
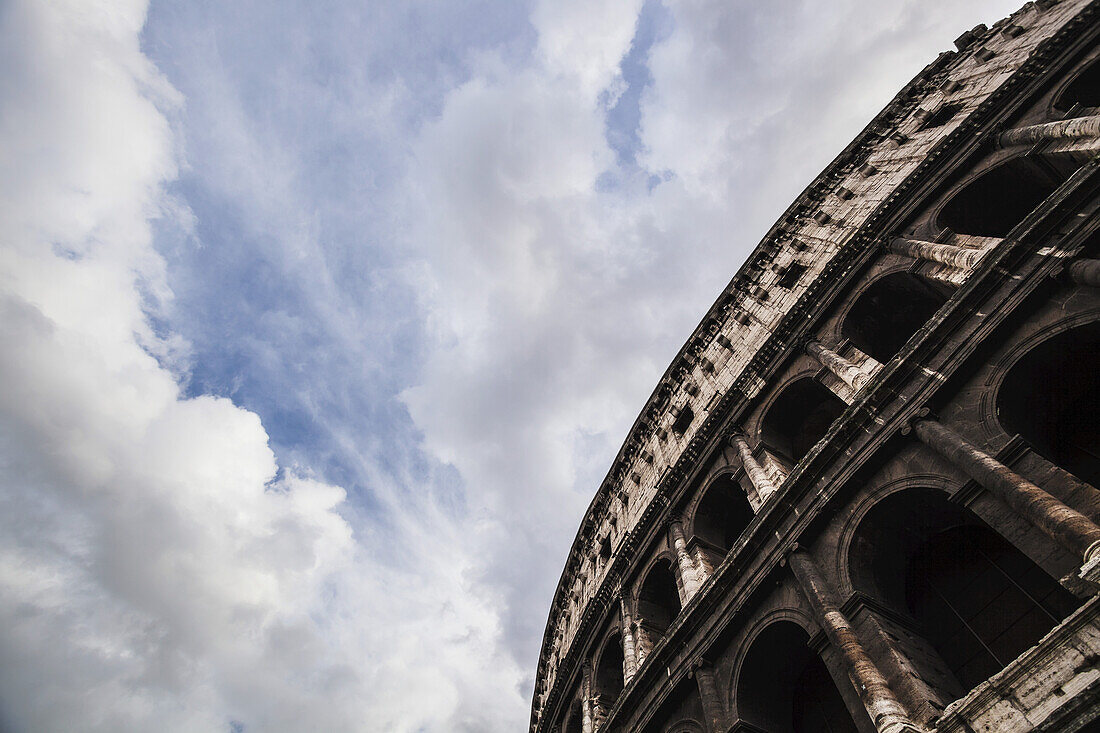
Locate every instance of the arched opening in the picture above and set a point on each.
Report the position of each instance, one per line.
(686, 726)
(722, 516)
(1083, 92)
(999, 199)
(978, 600)
(609, 671)
(1051, 397)
(799, 417)
(574, 719)
(784, 687)
(659, 600)
(887, 314)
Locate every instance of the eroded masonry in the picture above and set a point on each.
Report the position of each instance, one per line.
(864, 497)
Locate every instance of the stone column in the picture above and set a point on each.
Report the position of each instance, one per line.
(758, 477)
(887, 713)
(704, 564)
(600, 708)
(1072, 129)
(1085, 272)
(714, 711)
(630, 651)
(1066, 526)
(587, 721)
(962, 258)
(845, 370)
(643, 644)
(690, 581)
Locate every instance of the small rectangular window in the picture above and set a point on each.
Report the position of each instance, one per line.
(683, 420)
(791, 275)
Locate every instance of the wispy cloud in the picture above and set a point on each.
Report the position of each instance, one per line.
(320, 326)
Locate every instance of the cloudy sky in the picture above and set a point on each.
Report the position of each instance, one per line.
(320, 323)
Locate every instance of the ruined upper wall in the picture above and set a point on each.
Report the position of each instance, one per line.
(782, 274)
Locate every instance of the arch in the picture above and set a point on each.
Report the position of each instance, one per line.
(1082, 91)
(754, 424)
(889, 311)
(978, 600)
(721, 515)
(685, 726)
(856, 513)
(789, 614)
(574, 718)
(659, 598)
(609, 676)
(784, 687)
(799, 417)
(1050, 397)
(994, 202)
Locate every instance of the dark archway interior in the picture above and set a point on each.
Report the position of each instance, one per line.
(784, 686)
(979, 601)
(659, 600)
(982, 601)
(1001, 198)
(609, 670)
(574, 720)
(800, 417)
(723, 514)
(1051, 397)
(887, 314)
(1083, 91)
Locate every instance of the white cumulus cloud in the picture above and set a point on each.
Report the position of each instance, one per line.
(157, 571)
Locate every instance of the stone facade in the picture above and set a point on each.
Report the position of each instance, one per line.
(863, 496)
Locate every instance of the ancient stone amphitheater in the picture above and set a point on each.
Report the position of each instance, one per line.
(863, 496)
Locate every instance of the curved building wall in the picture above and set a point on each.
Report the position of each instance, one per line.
(901, 375)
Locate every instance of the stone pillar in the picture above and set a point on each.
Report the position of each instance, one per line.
(887, 713)
(845, 370)
(758, 477)
(588, 724)
(962, 258)
(704, 564)
(1085, 272)
(714, 711)
(1072, 129)
(630, 651)
(600, 708)
(689, 576)
(643, 644)
(1066, 526)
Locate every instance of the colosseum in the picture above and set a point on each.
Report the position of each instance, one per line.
(863, 497)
